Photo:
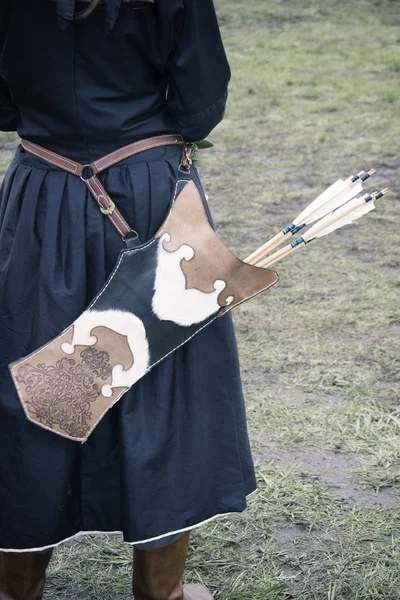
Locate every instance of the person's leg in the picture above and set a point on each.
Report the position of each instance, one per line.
(23, 575)
(160, 543)
(157, 573)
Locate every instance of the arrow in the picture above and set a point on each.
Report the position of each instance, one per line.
(335, 196)
(344, 215)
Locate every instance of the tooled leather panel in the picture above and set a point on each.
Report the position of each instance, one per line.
(187, 224)
(63, 392)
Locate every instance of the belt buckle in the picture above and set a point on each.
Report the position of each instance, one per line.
(110, 208)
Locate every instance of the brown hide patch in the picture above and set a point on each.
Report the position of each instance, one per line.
(108, 338)
(62, 392)
(187, 223)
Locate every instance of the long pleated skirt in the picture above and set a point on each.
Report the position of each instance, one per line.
(173, 453)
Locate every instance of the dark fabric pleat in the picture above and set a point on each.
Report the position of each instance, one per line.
(174, 451)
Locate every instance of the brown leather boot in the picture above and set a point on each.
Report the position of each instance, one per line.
(23, 574)
(157, 574)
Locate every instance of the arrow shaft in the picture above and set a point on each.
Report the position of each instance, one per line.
(277, 256)
(265, 249)
(328, 221)
(335, 196)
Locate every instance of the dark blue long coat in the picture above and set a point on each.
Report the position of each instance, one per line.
(174, 451)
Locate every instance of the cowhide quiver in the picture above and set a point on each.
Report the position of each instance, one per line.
(158, 296)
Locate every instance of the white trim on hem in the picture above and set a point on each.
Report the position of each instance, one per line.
(83, 533)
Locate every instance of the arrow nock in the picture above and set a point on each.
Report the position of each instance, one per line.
(382, 193)
(368, 174)
(376, 195)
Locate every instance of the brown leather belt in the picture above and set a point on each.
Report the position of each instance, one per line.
(88, 172)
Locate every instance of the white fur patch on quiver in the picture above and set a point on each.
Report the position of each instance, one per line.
(124, 323)
(171, 300)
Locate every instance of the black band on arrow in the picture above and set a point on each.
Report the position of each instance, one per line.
(298, 228)
(288, 229)
(297, 242)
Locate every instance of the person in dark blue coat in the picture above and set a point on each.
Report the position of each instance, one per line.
(174, 452)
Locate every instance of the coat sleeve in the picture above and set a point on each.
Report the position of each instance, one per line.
(198, 72)
(8, 111)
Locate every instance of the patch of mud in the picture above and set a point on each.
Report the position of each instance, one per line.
(255, 381)
(290, 533)
(362, 253)
(279, 22)
(294, 398)
(287, 532)
(331, 400)
(298, 542)
(334, 470)
(55, 589)
(390, 267)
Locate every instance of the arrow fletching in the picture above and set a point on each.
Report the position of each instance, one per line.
(345, 215)
(348, 220)
(335, 196)
(340, 213)
(326, 196)
(337, 200)
(331, 199)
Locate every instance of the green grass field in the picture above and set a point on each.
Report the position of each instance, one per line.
(315, 96)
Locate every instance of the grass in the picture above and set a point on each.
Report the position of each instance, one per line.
(315, 95)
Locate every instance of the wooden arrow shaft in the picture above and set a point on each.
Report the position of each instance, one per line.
(277, 256)
(257, 255)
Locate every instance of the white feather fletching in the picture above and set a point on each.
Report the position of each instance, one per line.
(334, 216)
(319, 230)
(341, 198)
(322, 199)
(348, 220)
